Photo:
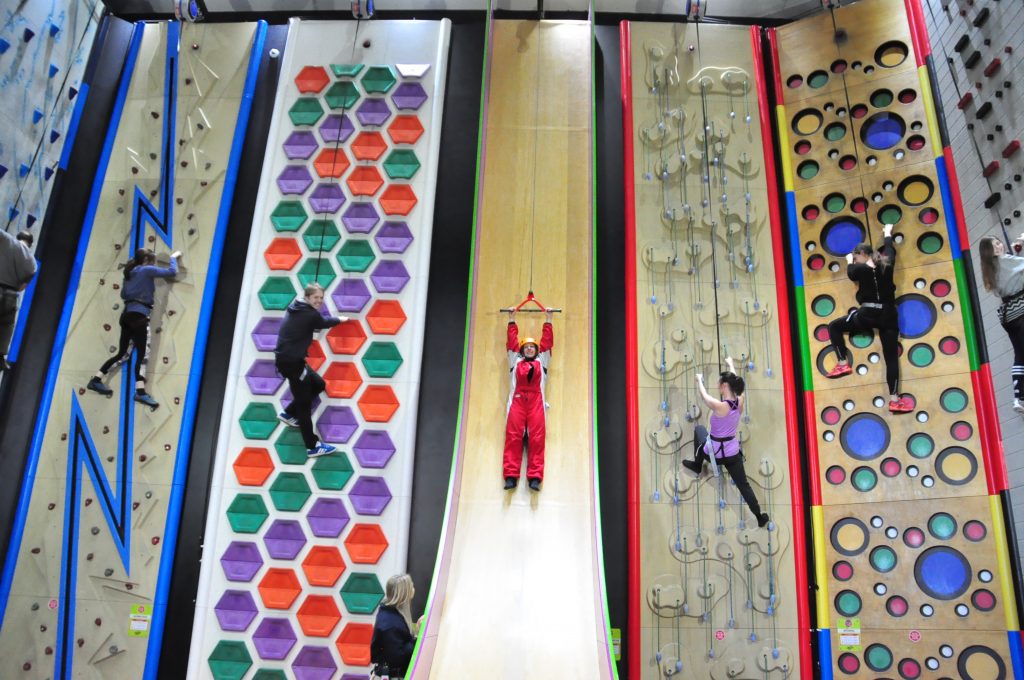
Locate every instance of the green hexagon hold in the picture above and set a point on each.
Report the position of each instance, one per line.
(291, 450)
(378, 79)
(247, 513)
(288, 216)
(356, 256)
(270, 674)
(321, 235)
(331, 473)
(306, 111)
(342, 95)
(258, 420)
(289, 492)
(401, 164)
(346, 70)
(382, 359)
(362, 593)
(319, 270)
(229, 660)
(276, 293)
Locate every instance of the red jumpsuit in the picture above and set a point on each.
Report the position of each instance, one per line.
(526, 405)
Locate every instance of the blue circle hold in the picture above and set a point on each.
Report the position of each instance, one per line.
(883, 131)
(865, 436)
(842, 235)
(917, 315)
(943, 573)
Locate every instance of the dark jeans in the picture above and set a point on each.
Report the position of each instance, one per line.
(1015, 329)
(305, 384)
(733, 464)
(8, 317)
(134, 333)
(886, 322)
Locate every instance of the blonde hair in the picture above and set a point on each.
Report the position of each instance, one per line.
(398, 594)
(313, 287)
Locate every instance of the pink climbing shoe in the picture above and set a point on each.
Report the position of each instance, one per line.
(839, 371)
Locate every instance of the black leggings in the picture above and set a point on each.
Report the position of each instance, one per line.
(886, 322)
(1015, 329)
(134, 333)
(305, 384)
(733, 464)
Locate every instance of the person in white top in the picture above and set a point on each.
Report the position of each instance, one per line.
(1002, 273)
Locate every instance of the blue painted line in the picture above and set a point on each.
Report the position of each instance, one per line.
(825, 652)
(794, 239)
(60, 339)
(198, 357)
(72, 132)
(1016, 653)
(952, 226)
(19, 328)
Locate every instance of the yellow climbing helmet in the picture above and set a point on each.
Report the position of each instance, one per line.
(528, 341)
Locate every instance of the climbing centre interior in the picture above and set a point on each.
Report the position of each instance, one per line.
(677, 184)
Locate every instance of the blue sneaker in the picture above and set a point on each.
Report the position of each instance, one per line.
(288, 420)
(320, 449)
(144, 398)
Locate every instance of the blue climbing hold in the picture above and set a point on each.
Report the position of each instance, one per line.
(656, 496)
(47, 173)
(679, 666)
(30, 220)
(775, 653)
(53, 70)
(657, 657)
(28, 34)
(753, 637)
(54, 136)
(54, 30)
(12, 212)
(72, 92)
(37, 115)
(3, 171)
(23, 170)
(4, 46)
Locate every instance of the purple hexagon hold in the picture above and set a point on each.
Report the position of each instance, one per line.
(360, 218)
(393, 237)
(241, 561)
(373, 112)
(351, 295)
(265, 333)
(336, 128)
(409, 96)
(284, 539)
(390, 276)
(355, 676)
(286, 399)
(294, 179)
(274, 638)
(337, 424)
(300, 144)
(328, 517)
(374, 448)
(327, 198)
(263, 378)
(314, 663)
(370, 495)
(235, 610)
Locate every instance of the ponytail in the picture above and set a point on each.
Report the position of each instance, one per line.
(142, 257)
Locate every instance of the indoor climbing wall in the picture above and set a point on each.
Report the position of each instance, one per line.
(716, 596)
(297, 552)
(85, 583)
(912, 571)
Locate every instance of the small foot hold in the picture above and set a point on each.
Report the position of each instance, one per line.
(839, 370)
(901, 405)
(534, 484)
(762, 520)
(96, 385)
(510, 483)
(149, 401)
(320, 449)
(288, 420)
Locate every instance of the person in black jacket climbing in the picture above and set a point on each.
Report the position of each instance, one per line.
(301, 321)
(872, 271)
(394, 633)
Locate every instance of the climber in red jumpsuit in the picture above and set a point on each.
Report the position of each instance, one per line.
(528, 366)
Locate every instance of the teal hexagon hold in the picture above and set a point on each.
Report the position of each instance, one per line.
(270, 674)
(382, 359)
(321, 236)
(331, 473)
(356, 256)
(378, 79)
(346, 70)
(247, 513)
(258, 420)
(288, 216)
(362, 593)
(342, 95)
(319, 270)
(291, 450)
(229, 660)
(289, 492)
(306, 111)
(276, 293)
(401, 164)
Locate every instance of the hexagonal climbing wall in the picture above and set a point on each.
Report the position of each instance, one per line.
(298, 551)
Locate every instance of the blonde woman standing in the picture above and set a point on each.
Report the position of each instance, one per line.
(394, 633)
(1002, 273)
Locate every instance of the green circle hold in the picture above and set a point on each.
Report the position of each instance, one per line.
(848, 603)
(878, 657)
(930, 244)
(942, 525)
(921, 355)
(880, 98)
(883, 559)
(834, 203)
(823, 305)
(920, 445)
(953, 400)
(807, 169)
(861, 340)
(864, 479)
(890, 214)
(835, 131)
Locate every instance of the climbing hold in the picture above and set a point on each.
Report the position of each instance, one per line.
(54, 136)
(4, 46)
(37, 115)
(72, 92)
(23, 170)
(28, 34)
(12, 213)
(30, 220)
(54, 30)
(53, 70)
(3, 171)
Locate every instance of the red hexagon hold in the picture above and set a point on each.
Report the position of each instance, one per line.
(318, 615)
(366, 543)
(365, 181)
(378, 403)
(279, 588)
(346, 338)
(315, 356)
(331, 163)
(369, 146)
(386, 317)
(405, 129)
(398, 199)
(312, 79)
(253, 466)
(323, 565)
(282, 253)
(354, 644)
(343, 379)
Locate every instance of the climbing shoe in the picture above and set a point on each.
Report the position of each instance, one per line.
(144, 398)
(762, 520)
(510, 483)
(96, 385)
(320, 449)
(839, 370)
(901, 405)
(534, 484)
(693, 466)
